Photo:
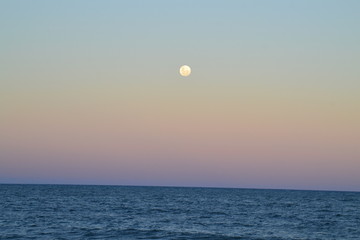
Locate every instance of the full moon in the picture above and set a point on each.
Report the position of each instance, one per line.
(185, 70)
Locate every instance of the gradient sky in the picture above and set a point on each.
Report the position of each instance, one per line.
(90, 93)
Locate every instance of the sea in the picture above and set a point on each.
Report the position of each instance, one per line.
(129, 212)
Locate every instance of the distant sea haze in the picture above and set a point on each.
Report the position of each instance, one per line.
(124, 212)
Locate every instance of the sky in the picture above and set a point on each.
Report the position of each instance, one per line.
(90, 93)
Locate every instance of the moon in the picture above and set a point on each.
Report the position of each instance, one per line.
(185, 70)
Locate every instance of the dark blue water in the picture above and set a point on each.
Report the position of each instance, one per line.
(114, 212)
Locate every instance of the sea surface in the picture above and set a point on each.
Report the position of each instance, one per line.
(122, 212)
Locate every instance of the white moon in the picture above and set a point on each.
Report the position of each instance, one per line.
(185, 70)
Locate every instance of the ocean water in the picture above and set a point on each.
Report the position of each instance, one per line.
(121, 212)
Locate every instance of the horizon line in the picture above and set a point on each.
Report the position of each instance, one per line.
(178, 186)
